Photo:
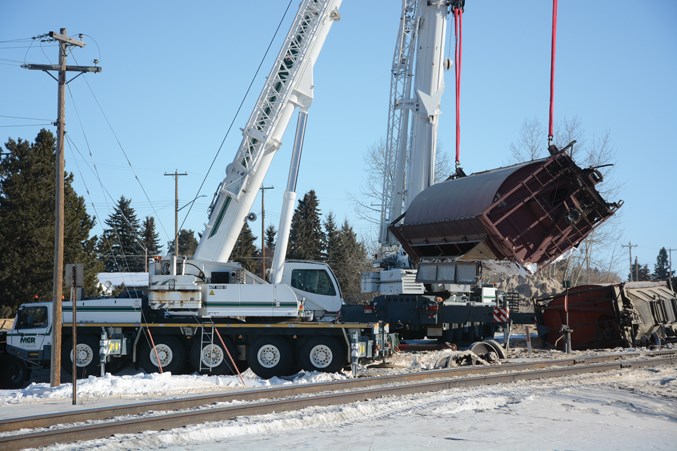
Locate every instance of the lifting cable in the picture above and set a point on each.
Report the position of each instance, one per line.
(552, 71)
(457, 10)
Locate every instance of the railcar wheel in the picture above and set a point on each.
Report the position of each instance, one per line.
(486, 350)
(500, 350)
(325, 354)
(86, 355)
(270, 356)
(169, 353)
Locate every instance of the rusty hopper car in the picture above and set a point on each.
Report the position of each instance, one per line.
(527, 213)
(620, 315)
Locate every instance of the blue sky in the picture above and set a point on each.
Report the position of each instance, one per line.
(174, 74)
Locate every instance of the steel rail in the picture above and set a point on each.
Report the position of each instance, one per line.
(438, 382)
(189, 402)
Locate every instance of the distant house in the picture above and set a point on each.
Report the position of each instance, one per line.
(108, 281)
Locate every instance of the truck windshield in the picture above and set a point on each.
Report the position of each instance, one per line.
(313, 281)
(32, 317)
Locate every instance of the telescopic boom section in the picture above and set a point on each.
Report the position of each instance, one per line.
(414, 111)
(428, 90)
(399, 112)
(289, 86)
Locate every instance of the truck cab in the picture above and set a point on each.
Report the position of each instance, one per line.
(30, 338)
(316, 285)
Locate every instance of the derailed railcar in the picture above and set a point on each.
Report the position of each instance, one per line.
(530, 213)
(620, 315)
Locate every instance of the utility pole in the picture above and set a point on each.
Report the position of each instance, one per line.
(64, 42)
(263, 230)
(176, 175)
(670, 261)
(630, 246)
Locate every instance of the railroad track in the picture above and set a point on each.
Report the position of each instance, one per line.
(70, 427)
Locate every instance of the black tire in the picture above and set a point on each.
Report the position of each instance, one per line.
(15, 373)
(87, 351)
(270, 356)
(242, 365)
(325, 354)
(171, 352)
(211, 358)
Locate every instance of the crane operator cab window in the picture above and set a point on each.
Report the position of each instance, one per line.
(32, 317)
(313, 281)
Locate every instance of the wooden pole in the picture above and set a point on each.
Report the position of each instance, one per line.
(55, 375)
(57, 294)
(176, 175)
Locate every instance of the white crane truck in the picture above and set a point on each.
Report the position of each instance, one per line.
(209, 312)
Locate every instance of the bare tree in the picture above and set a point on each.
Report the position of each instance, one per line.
(368, 202)
(531, 142)
(596, 256)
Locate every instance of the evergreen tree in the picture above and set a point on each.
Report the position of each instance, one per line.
(270, 237)
(245, 251)
(27, 187)
(348, 259)
(306, 238)
(150, 238)
(269, 243)
(187, 243)
(121, 245)
(639, 273)
(332, 236)
(662, 267)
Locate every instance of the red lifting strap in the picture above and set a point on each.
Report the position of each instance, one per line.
(457, 9)
(552, 71)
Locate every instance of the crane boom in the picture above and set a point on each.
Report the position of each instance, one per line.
(428, 90)
(417, 85)
(288, 86)
(397, 135)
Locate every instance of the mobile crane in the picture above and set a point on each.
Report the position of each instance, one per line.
(437, 239)
(210, 312)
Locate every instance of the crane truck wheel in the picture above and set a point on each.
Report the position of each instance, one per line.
(270, 356)
(14, 374)
(211, 358)
(325, 354)
(169, 353)
(86, 355)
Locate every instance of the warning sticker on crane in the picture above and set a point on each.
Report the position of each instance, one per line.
(501, 314)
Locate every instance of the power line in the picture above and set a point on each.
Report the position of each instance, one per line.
(25, 125)
(26, 118)
(124, 153)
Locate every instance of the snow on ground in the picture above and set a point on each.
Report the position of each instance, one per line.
(629, 409)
